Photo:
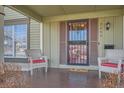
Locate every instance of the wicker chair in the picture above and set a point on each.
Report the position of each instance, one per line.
(36, 59)
(112, 62)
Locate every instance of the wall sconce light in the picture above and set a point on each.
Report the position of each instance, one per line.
(107, 25)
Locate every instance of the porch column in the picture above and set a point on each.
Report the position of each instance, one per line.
(123, 32)
(1, 35)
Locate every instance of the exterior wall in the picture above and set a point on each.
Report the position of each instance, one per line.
(54, 44)
(118, 32)
(11, 14)
(1, 36)
(113, 36)
(46, 40)
(52, 35)
(51, 42)
(34, 34)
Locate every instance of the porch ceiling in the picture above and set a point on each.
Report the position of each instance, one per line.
(55, 10)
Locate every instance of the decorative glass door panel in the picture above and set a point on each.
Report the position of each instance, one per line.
(78, 42)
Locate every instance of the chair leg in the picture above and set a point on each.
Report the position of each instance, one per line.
(119, 78)
(99, 74)
(31, 72)
(46, 69)
(31, 68)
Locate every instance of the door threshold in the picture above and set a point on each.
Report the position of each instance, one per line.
(90, 67)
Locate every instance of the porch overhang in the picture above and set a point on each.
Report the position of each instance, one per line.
(28, 12)
(68, 12)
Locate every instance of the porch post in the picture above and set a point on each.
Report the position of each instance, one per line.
(123, 32)
(1, 34)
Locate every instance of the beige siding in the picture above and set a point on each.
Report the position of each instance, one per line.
(55, 44)
(113, 36)
(46, 39)
(11, 14)
(118, 32)
(51, 42)
(34, 34)
(1, 35)
(101, 36)
(109, 34)
(1, 8)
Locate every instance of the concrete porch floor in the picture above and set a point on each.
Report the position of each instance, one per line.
(63, 78)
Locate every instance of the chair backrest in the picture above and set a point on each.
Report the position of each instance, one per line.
(114, 53)
(33, 53)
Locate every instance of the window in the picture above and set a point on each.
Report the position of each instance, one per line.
(15, 40)
(77, 31)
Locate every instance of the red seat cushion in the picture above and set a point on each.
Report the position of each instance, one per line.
(111, 65)
(38, 61)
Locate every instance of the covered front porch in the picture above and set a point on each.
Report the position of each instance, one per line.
(57, 39)
(72, 37)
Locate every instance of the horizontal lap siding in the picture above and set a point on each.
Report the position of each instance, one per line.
(12, 14)
(34, 34)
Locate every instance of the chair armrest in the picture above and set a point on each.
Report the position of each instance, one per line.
(45, 57)
(101, 59)
(29, 59)
(119, 64)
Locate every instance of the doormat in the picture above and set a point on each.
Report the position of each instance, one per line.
(78, 70)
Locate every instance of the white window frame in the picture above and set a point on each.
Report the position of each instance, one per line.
(17, 22)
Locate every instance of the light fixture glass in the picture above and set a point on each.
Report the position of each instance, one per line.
(107, 25)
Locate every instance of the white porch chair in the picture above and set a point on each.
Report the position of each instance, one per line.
(112, 62)
(36, 59)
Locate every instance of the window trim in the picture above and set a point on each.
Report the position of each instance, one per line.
(16, 21)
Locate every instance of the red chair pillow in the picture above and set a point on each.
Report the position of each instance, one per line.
(38, 61)
(111, 65)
